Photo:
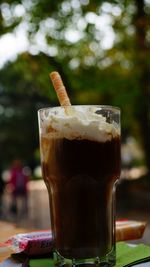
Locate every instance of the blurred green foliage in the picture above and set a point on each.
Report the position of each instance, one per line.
(100, 48)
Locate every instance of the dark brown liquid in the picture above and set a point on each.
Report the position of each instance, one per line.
(80, 176)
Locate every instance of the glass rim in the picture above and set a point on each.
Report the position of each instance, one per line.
(107, 107)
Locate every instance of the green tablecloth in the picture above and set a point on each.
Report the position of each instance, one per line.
(125, 256)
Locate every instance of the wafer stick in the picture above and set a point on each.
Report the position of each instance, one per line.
(129, 230)
(60, 89)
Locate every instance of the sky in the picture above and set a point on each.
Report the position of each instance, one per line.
(11, 45)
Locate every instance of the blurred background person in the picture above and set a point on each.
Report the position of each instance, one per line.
(18, 182)
(2, 185)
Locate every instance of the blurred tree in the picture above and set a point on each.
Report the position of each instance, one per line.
(101, 49)
(142, 59)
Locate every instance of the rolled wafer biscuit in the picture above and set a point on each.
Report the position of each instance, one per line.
(129, 230)
(60, 89)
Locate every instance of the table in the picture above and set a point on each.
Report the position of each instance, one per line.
(6, 231)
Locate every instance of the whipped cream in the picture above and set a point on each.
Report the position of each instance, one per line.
(78, 123)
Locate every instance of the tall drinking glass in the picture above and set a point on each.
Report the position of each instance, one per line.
(80, 157)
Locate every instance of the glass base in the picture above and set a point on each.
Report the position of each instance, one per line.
(108, 261)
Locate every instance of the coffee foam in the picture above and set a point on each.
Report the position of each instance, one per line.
(79, 123)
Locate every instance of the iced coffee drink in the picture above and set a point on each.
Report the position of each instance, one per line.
(80, 156)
